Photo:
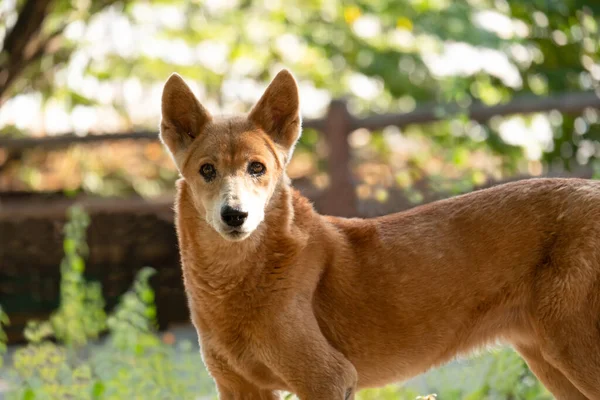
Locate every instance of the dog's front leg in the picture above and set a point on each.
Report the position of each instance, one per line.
(316, 371)
(231, 385)
(311, 368)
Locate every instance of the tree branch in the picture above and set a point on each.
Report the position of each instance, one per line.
(23, 44)
(28, 25)
(20, 39)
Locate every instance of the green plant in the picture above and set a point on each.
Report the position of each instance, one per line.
(80, 315)
(46, 370)
(133, 321)
(3, 338)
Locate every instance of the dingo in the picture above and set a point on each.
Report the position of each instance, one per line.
(284, 299)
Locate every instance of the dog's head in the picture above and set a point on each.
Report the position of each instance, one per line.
(232, 165)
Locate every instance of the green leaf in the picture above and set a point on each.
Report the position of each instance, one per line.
(98, 390)
(28, 394)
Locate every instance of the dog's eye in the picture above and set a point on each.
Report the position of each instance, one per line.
(256, 168)
(208, 172)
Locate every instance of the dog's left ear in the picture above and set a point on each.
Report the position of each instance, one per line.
(278, 111)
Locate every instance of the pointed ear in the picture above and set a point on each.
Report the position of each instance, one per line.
(182, 117)
(278, 111)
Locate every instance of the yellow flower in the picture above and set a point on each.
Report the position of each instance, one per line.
(404, 23)
(351, 14)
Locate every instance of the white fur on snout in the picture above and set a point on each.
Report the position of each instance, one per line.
(236, 192)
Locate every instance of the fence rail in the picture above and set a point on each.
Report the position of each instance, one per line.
(339, 122)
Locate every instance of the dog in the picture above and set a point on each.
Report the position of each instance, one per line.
(286, 300)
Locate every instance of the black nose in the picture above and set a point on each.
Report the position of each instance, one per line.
(233, 217)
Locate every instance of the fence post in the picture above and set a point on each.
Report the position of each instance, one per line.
(340, 198)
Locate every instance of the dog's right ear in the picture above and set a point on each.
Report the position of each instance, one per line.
(182, 118)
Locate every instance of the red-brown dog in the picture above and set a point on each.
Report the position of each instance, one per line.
(285, 299)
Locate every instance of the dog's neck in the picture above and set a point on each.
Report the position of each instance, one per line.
(223, 265)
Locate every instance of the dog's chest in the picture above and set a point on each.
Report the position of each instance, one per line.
(235, 314)
(235, 334)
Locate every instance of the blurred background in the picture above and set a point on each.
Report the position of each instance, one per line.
(404, 102)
